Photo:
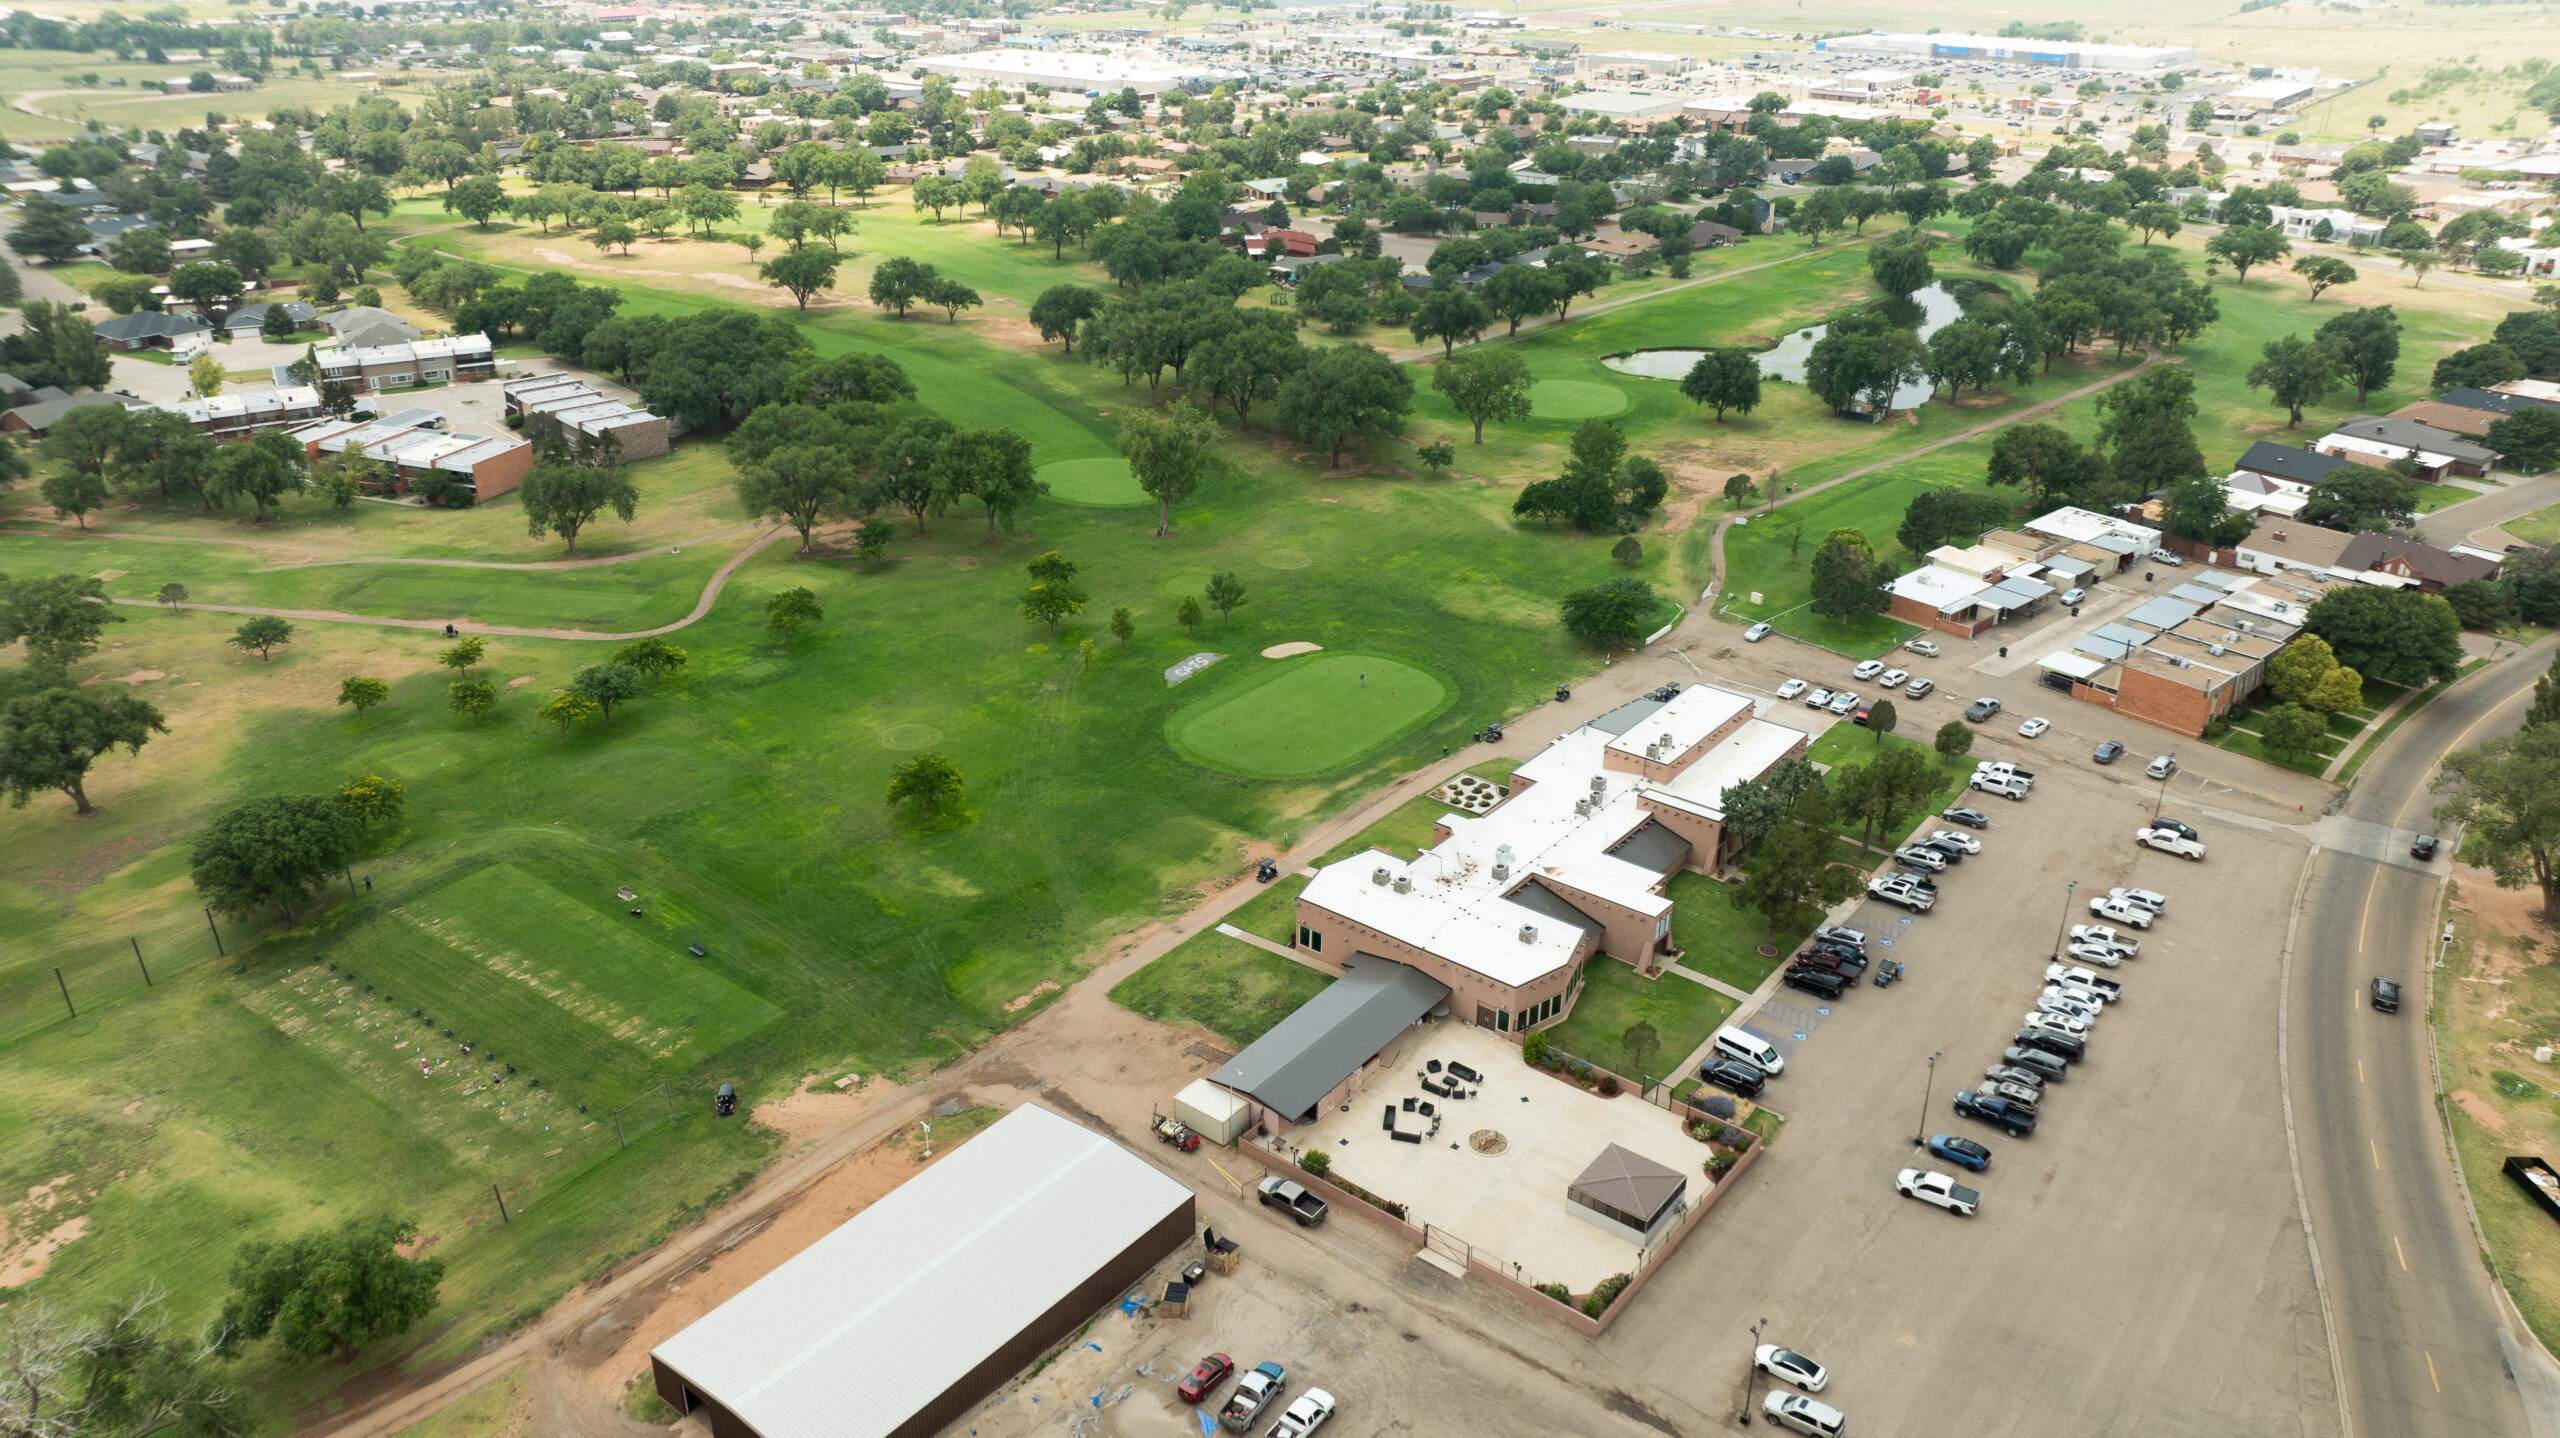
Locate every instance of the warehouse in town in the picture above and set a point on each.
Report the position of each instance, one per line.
(903, 1318)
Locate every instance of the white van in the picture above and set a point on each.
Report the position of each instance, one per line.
(1804, 1415)
(1751, 1049)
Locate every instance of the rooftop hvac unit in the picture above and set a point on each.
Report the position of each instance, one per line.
(2248, 626)
(1502, 862)
(1378, 876)
(1599, 786)
(1528, 933)
(2229, 637)
(2213, 649)
(1404, 883)
(1582, 808)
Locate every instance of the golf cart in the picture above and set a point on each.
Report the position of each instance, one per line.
(724, 1100)
(1174, 1131)
(1266, 871)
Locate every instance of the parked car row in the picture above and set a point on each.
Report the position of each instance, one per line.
(2052, 1037)
(1740, 1061)
(1257, 1393)
(1832, 961)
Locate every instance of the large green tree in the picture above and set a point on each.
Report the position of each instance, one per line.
(1487, 384)
(332, 1290)
(271, 851)
(2362, 497)
(2527, 441)
(1848, 581)
(1724, 379)
(1900, 262)
(1450, 316)
(2367, 344)
(61, 617)
(2397, 635)
(2244, 247)
(49, 739)
(1345, 393)
(562, 497)
(2506, 795)
(2296, 373)
(1610, 613)
(2144, 425)
(1169, 452)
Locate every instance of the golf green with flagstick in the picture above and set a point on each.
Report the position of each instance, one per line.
(1294, 718)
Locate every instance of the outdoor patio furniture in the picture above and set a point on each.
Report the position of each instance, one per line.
(1422, 1108)
(1391, 1118)
(1464, 1072)
(1408, 1138)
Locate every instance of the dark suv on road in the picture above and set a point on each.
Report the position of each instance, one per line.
(2386, 995)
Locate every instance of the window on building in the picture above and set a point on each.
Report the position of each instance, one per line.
(1310, 940)
(1502, 1020)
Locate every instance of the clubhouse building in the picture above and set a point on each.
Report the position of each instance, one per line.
(1493, 924)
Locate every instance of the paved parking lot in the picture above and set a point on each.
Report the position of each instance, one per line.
(2138, 1266)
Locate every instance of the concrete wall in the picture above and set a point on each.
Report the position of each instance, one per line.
(1626, 933)
(1705, 836)
(644, 440)
(2176, 707)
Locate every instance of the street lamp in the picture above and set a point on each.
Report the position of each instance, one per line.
(1926, 1086)
(1751, 1374)
(2163, 801)
(2062, 932)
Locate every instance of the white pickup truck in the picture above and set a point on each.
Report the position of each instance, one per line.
(2121, 911)
(2170, 841)
(1937, 1188)
(2003, 769)
(2107, 990)
(1897, 890)
(1994, 784)
(1304, 1416)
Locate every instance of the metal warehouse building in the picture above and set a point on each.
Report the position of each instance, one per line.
(922, 1304)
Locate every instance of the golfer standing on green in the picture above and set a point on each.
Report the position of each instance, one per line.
(1364, 678)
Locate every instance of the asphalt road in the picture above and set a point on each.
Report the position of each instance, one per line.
(2422, 1339)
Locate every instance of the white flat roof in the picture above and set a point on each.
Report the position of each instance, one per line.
(2083, 526)
(867, 1326)
(1456, 909)
(1940, 588)
(2077, 666)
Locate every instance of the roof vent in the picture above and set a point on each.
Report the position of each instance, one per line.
(1599, 786)
(1502, 862)
(1404, 883)
(1378, 876)
(2279, 536)
(1582, 808)
(2213, 649)
(2228, 637)
(1528, 933)
(2248, 626)
(2281, 606)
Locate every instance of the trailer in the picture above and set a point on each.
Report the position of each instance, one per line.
(2539, 1179)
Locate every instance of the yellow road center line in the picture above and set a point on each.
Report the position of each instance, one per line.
(2431, 1372)
(2377, 1163)
(2359, 1071)
(2404, 1267)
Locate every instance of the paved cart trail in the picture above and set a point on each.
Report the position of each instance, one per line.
(597, 562)
(701, 607)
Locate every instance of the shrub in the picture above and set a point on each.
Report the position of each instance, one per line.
(1721, 1105)
(1608, 1085)
(1318, 1163)
(1558, 1292)
(1719, 1161)
(1533, 1049)
(1606, 1294)
(1734, 1138)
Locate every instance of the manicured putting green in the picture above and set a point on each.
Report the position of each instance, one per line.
(1299, 717)
(1104, 482)
(1575, 399)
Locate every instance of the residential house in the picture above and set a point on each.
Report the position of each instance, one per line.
(2283, 466)
(150, 329)
(2411, 564)
(2378, 439)
(366, 325)
(37, 417)
(372, 368)
(2288, 547)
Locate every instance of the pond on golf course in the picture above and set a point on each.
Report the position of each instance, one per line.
(1787, 361)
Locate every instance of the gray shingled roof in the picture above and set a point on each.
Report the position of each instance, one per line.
(151, 325)
(1293, 1067)
(1630, 1183)
(1654, 847)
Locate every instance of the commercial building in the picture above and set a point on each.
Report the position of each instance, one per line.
(2183, 659)
(577, 406)
(2011, 50)
(413, 444)
(237, 416)
(405, 365)
(1493, 923)
(1621, 104)
(903, 1318)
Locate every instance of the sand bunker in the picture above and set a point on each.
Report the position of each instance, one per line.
(1293, 648)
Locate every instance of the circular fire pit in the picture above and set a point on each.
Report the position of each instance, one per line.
(1485, 1140)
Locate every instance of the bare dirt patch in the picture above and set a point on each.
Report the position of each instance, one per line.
(819, 1108)
(1017, 1005)
(139, 676)
(2481, 1110)
(1293, 647)
(24, 1265)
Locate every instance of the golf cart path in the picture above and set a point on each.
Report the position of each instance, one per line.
(1715, 543)
(599, 562)
(701, 607)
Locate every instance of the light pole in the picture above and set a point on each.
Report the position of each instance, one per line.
(1751, 1374)
(2163, 801)
(1927, 1086)
(2062, 932)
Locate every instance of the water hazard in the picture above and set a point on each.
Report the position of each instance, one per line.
(1787, 360)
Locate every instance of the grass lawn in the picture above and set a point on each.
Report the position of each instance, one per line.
(1224, 985)
(1307, 715)
(2497, 996)
(1614, 1000)
(1721, 941)
(2540, 527)
(1844, 744)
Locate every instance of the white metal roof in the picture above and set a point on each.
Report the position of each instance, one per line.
(866, 1326)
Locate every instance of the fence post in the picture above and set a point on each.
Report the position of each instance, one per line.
(502, 1205)
(217, 935)
(66, 991)
(137, 958)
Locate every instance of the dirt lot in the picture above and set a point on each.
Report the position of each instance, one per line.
(2497, 1001)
